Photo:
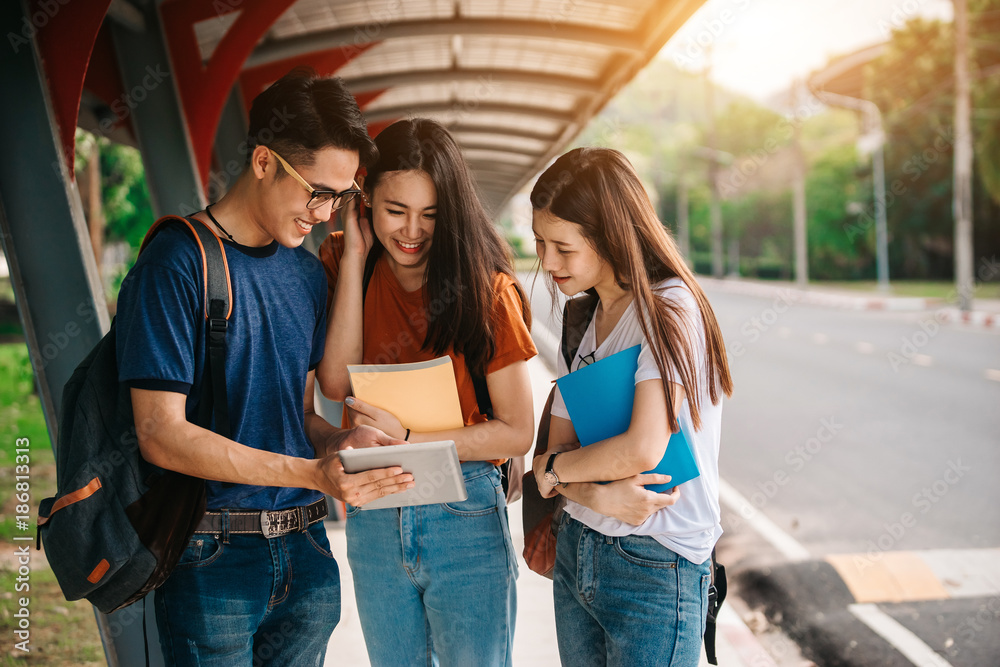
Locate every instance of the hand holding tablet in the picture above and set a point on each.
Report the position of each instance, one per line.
(436, 470)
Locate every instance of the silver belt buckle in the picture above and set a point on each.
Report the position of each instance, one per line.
(277, 523)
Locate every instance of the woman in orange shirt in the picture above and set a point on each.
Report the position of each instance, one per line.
(431, 276)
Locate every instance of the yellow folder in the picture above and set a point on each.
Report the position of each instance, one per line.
(422, 395)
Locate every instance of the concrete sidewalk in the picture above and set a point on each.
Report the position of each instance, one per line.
(535, 635)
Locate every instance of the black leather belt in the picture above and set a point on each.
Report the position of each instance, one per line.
(269, 523)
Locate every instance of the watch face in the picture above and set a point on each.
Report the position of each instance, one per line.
(551, 478)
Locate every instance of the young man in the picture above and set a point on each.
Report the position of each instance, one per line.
(249, 589)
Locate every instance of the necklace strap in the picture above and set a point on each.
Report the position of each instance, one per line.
(208, 212)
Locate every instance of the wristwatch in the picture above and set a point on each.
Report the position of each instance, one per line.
(550, 475)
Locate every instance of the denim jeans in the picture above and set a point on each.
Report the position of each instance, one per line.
(251, 601)
(436, 584)
(626, 601)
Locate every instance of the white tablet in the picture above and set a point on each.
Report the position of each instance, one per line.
(437, 473)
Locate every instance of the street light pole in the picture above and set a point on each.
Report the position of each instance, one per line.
(715, 208)
(799, 197)
(873, 125)
(962, 189)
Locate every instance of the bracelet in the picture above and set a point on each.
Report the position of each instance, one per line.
(407, 436)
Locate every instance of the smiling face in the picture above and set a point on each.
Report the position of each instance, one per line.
(285, 215)
(404, 205)
(566, 255)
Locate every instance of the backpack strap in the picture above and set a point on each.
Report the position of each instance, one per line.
(716, 596)
(577, 314)
(218, 300)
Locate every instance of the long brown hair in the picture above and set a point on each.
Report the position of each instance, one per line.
(597, 189)
(466, 252)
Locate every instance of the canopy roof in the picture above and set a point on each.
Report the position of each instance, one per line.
(515, 80)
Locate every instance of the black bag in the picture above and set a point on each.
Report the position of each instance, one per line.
(540, 516)
(118, 524)
(716, 596)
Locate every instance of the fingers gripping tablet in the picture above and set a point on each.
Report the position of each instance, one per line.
(437, 473)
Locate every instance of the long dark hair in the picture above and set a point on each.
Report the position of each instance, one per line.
(466, 251)
(597, 189)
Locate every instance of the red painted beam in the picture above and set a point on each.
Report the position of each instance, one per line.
(65, 40)
(204, 87)
(253, 81)
(104, 81)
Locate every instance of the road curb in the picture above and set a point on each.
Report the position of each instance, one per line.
(852, 609)
(826, 299)
(810, 603)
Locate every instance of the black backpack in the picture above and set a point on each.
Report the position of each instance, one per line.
(118, 524)
(576, 318)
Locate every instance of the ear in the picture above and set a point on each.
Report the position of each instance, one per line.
(261, 162)
(365, 196)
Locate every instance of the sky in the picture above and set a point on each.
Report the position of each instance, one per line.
(758, 47)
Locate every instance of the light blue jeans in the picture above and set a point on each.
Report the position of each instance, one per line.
(626, 601)
(436, 584)
(251, 601)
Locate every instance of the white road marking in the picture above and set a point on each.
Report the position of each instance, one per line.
(907, 643)
(782, 541)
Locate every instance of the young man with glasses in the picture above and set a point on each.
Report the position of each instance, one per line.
(257, 583)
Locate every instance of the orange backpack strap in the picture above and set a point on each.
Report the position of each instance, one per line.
(218, 307)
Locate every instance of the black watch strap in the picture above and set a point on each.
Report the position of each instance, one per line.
(550, 462)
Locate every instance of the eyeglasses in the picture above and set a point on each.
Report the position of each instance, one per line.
(586, 360)
(319, 198)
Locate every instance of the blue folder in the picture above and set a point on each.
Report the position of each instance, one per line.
(599, 399)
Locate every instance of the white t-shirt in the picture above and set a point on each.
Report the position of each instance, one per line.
(692, 526)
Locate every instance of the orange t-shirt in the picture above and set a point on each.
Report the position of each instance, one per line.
(395, 324)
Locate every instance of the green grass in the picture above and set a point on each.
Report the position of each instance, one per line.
(63, 633)
(21, 417)
(916, 288)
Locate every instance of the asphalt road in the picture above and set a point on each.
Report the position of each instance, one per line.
(837, 429)
(842, 422)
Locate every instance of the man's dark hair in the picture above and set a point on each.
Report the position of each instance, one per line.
(302, 112)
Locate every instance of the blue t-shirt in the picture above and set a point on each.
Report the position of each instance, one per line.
(276, 335)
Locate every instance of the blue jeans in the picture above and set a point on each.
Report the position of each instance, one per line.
(251, 601)
(626, 600)
(436, 584)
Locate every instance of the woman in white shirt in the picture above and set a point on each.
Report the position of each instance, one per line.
(630, 594)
